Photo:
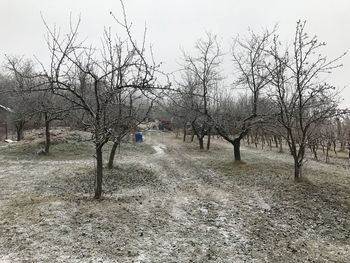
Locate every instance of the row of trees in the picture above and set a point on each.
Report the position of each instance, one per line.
(110, 90)
(331, 136)
(284, 91)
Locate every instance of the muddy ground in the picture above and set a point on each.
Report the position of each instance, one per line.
(166, 201)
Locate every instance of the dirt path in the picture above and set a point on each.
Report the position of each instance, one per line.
(199, 212)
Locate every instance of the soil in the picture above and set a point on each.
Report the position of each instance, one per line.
(166, 201)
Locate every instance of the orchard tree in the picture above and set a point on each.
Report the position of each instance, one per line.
(92, 80)
(200, 82)
(49, 108)
(19, 95)
(236, 117)
(303, 101)
(133, 109)
(181, 104)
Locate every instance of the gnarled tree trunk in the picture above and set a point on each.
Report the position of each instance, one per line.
(208, 142)
(236, 149)
(201, 142)
(19, 129)
(99, 172)
(112, 154)
(185, 134)
(47, 135)
(297, 170)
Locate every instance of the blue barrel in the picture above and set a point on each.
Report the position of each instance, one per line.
(138, 137)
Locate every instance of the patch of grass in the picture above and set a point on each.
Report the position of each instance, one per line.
(129, 176)
(67, 146)
(253, 173)
(25, 201)
(130, 148)
(20, 150)
(72, 150)
(79, 182)
(58, 150)
(317, 201)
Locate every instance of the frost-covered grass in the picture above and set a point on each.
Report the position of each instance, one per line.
(58, 151)
(308, 220)
(66, 145)
(166, 201)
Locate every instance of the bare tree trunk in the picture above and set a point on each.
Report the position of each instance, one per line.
(208, 142)
(275, 139)
(201, 142)
(298, 161)
(297, 170)
(342, 146)
(19, 129)
(327, 153)
(200, 136)
(192, 137)
(112, 154)
(314, 150)
(19, 136)
(47, 135)
(235, 142)
(335, 147)
(280, 141)
(185, 134)
(99, 172)
(236, 149)
(256, 141)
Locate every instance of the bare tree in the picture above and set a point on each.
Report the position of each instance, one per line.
(200, 82)
(18, 92)
(302, 100)
(91, 79)
(233, 122)
(50, 108)
(132, 110)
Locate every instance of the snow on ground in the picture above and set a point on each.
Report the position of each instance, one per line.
(159, 148)
(166, 201)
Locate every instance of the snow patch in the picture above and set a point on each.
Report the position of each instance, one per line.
(261, 203)
(177, 210)
(142, 258)
(159, 148)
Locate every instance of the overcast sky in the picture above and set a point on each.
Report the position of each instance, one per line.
(172, 24)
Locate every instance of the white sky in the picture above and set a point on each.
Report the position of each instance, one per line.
(179, 23)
